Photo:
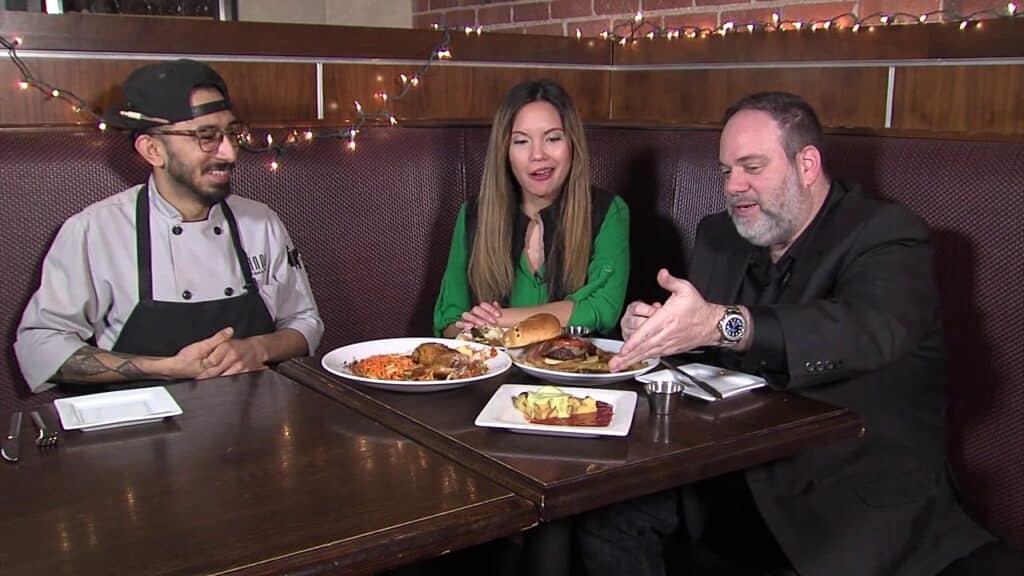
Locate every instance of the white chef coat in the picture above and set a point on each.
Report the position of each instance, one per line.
(90, 283)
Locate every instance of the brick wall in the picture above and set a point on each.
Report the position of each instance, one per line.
(591, 17)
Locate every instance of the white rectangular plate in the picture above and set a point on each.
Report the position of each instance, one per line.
(113, 409)
(728, 382)
(500, 413)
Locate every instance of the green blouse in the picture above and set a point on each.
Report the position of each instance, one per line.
(597, 304)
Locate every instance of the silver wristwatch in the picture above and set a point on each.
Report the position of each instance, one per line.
(731, 327)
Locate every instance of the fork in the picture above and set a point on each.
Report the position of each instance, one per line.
(46, 436)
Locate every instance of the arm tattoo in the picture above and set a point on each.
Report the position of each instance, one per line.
(91, 364)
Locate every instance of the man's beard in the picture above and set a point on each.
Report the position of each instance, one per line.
(780, 215)
(182, 174)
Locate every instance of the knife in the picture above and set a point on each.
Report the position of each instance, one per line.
(11, 450)
(700, 383)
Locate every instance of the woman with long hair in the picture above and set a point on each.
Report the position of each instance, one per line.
(539, 237)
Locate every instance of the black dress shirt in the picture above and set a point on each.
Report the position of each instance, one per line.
(764, 284)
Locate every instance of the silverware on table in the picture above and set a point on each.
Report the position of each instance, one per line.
(700, 383)
(47, 437)
(11, 451)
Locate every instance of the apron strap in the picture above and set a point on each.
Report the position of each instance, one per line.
(243, 258)
(142, 247)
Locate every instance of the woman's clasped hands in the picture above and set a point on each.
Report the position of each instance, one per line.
(483, 314)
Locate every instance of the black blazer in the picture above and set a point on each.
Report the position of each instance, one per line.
(860, 323)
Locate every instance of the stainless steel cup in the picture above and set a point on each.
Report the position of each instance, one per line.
(661, 428)
(664, 396)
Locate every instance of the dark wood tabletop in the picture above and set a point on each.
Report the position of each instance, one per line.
(258, 475)
(566, 476)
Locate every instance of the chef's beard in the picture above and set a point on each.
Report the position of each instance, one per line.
(185, 175)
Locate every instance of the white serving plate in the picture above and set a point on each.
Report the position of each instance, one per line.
(113, 409)
(728, 382)
(336, 362)
(574, 379)
(500, 413)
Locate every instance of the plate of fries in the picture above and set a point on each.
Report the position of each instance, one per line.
(591, 370)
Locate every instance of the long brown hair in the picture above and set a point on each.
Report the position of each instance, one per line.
(491, 263)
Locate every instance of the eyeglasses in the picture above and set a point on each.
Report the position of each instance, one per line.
(210, 137)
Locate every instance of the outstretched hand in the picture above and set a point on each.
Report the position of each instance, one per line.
(636, 314)
(685, 321)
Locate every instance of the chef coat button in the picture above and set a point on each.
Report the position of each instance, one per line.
(217, 230)
(187, 294)
(176, 230)
(229, 291)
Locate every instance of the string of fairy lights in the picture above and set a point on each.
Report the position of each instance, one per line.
(276, 149)
(622, 33)
(637, 27)
(440, 51)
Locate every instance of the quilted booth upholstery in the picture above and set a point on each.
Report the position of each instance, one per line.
(374, 227)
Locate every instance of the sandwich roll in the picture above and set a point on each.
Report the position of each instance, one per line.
(536, 328)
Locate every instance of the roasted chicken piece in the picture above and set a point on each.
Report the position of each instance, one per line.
(427, 353)
(438, 360)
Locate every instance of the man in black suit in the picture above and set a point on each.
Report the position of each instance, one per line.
(830, 294)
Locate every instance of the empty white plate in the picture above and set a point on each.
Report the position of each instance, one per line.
(113, 409)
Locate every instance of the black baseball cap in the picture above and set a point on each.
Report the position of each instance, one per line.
(161, 93)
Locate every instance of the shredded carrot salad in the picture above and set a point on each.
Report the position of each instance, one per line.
(384, 366)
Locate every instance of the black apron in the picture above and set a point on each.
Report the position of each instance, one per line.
(163, 328)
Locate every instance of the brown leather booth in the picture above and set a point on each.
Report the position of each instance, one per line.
(374, 227)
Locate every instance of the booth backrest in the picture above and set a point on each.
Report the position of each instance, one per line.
(374, 227)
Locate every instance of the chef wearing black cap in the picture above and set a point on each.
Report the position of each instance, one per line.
(174, 278)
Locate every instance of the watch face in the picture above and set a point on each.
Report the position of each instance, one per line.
(734, 327)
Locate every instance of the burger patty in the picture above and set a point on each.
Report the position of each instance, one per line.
(561, 348)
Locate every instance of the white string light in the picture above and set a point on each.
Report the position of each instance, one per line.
(630, 30)
(441, 51)
(637, 26)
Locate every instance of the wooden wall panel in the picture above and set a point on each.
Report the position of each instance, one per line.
(264, 92)
(453, 92)
(271, 92)
(642, 86)
(115, 33)
(95, 81)
(975, 99)
(843, 97)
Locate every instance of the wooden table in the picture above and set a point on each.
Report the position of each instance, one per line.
(259, 475)
(566, 476)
